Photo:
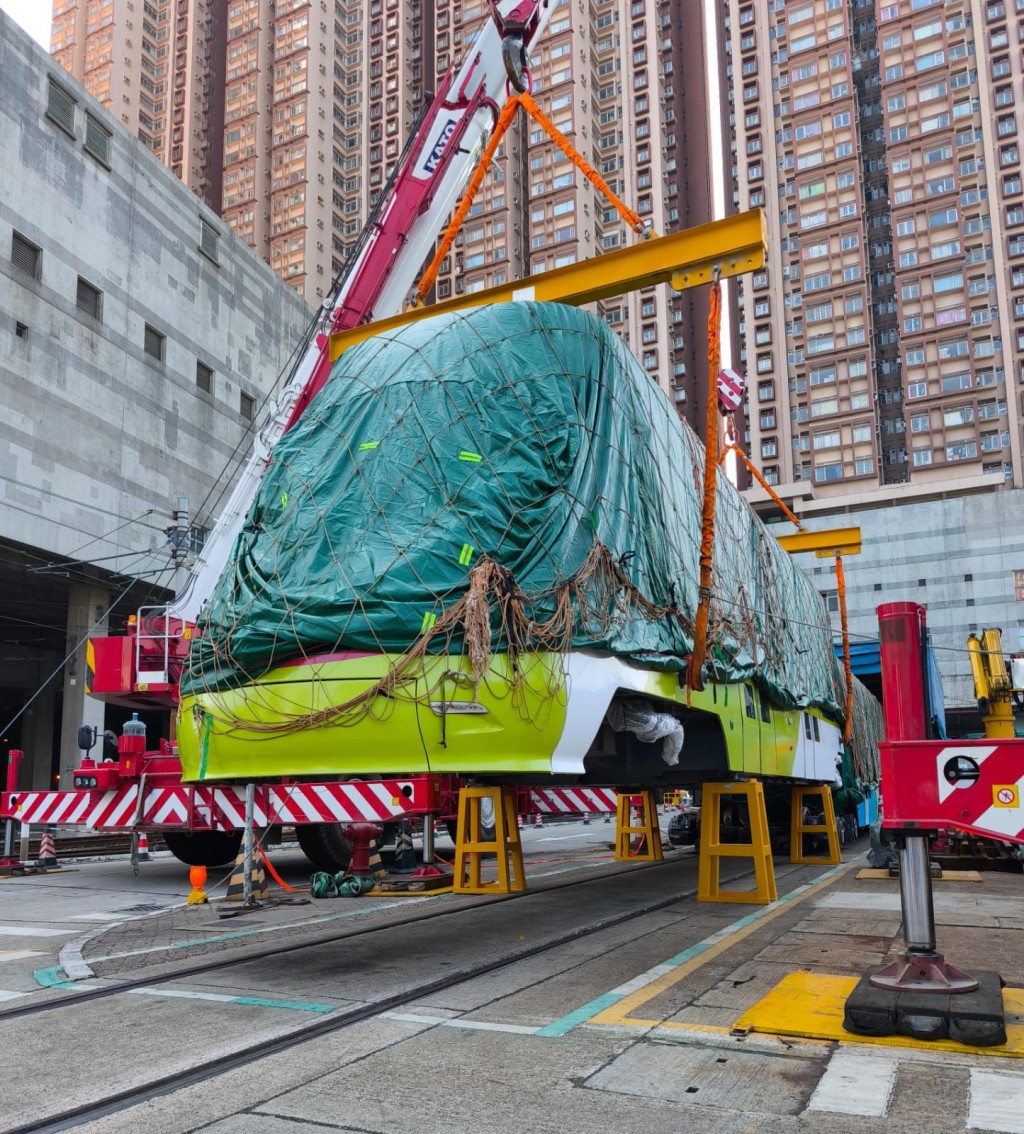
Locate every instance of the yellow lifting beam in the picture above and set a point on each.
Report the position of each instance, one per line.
(685, 259)
(825, 545)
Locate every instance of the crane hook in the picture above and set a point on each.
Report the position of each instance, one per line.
(513, 55)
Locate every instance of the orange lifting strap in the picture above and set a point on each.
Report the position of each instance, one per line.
(695, 679)
(527, 102)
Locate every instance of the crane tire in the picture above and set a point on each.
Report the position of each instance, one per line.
(324, 845)
(204, 848)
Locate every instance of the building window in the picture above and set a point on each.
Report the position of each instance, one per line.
(246, 406)
(204, 378)
(97, 140)
(25, 255)
(90, 299)
(209, 238)
(153, 343)
(60, 108)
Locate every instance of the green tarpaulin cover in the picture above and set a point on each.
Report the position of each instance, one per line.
(526, 433)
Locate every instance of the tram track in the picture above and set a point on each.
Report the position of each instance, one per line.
(224, 963)
(118, 1101)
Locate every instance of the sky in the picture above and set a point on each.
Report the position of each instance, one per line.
(33, 15)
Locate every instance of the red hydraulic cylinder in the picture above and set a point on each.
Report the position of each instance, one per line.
(14, 758)
(901, 629)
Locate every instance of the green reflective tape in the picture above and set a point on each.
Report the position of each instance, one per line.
(368, 445)
(284, 499)
(204, 744)
(428, 622)
(473, 458)
(466, 555)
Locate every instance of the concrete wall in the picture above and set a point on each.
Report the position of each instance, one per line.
(957, 557)
(94, 430)
(97, 437)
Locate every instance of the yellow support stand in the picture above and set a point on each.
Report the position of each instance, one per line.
(797, 828)
(471, 848)
(713, 850)
(648, 828)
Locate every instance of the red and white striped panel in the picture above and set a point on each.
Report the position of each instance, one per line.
(373, 800)
(168, 807)
(570, 801)
(86, 808)
(222, 806)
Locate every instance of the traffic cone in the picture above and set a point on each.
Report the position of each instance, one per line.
(377, 868)
(607, 816)
(143, 847)
(236, 885)
(197, 879)
(47, 851)
(519, 821)
(405, 855)
(537, 820)
(586, 818)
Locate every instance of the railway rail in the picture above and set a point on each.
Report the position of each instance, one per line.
(158, 1085)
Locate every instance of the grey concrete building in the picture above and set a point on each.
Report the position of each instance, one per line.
(138, 341)
(961, 557)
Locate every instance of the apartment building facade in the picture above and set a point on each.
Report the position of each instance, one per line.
(315, 101)
(885, 338)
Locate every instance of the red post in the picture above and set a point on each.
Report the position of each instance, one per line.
(901, 629)
(14, 758)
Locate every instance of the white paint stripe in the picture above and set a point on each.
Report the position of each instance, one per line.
(100, 808)
(384, 796)
(62, 807)
(228, 804)
(563, 838)
(642, 981)
(30, 931)
(184, 994)
(20, 954)
(305, 805)
(4, 995)
(79, 810)
(996, 1101)
(340, 807)
(124, 806)
(855, 1084)
(473, 1025)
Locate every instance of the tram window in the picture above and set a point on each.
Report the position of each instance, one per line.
(766, 708)
(807, 726)
(817, 735)
(748, 702)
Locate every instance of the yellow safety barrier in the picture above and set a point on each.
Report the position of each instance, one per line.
(797, 828)
(471, 848)
(647, 829)
(713, 850)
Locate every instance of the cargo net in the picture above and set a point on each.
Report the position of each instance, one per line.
(495, 485)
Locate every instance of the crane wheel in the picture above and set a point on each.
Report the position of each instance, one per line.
(204, 848)
(325, 846)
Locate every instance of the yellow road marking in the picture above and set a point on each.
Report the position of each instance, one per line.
(811, 1006)
(619, 1013)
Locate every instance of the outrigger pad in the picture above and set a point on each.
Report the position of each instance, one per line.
(972, 1018)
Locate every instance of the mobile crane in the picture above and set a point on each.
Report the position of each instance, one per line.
(141, 668)
(996, 686)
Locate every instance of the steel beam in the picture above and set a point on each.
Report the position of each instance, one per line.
(684, 259)
(825, 545)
